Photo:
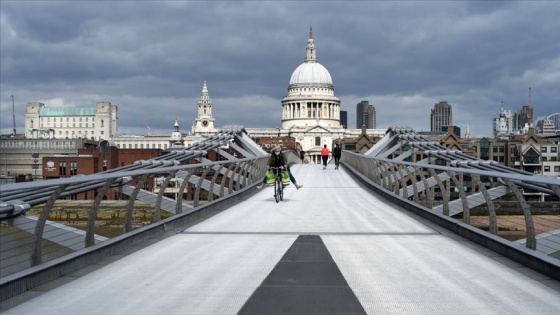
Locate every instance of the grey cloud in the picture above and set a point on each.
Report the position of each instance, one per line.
(402, 56)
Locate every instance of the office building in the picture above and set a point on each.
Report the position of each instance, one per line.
(365, 115)
(344, 119)
(523, 119)
(441, 116)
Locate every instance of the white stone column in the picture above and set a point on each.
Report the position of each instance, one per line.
(292, 110)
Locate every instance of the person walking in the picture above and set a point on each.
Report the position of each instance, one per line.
(337, 152)
(325, 156)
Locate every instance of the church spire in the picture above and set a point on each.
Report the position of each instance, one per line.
(311, 56)
(204, 103)
(204, 122)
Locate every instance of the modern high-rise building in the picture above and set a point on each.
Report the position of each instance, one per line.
(555, 118)
(344, 119)
(365, 115)
(523, 118)
(441, 116)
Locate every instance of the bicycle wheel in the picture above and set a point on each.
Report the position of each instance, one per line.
(276, 190)
(281, 190)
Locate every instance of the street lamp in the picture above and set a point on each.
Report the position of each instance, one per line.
(35, 161)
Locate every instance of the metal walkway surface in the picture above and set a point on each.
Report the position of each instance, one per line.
(357, 255)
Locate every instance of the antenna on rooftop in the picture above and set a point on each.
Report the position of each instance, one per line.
(530, 111)
(14, 114)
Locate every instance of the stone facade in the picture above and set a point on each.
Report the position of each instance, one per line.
(94, 123)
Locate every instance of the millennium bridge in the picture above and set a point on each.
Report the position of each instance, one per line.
(408, 227)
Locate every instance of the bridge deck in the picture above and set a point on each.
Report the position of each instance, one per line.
(244, 260)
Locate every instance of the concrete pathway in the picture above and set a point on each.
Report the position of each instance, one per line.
(392, 261)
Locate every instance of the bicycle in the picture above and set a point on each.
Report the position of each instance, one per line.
(278, 185)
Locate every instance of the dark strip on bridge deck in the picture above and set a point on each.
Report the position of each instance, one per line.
(305, 281)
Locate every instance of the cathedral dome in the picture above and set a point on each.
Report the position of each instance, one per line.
(311, 100)
(311, 72)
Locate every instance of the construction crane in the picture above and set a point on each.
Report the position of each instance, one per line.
(14, 114)
(150, 132)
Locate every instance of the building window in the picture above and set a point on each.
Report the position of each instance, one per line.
(73, 168)
(544, 158)
(62, 168)
(553, 149)
(557, 169)
(544, 149)
(318, 141)
(547, 168)
(554, 159)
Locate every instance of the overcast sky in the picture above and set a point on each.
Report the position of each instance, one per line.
(150, 58)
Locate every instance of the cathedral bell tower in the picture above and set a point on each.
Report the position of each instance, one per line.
(204, 122)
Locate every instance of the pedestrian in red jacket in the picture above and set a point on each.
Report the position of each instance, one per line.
(325, 156)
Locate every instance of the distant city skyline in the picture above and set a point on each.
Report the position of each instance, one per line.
(150, 58)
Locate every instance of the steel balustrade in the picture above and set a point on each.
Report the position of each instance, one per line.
(418, 181)
(28, 240)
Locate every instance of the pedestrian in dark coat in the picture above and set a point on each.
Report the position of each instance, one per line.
(337, 153)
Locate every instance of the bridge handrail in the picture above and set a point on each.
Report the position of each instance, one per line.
(199, 185)
(407, 180)
(412, 186)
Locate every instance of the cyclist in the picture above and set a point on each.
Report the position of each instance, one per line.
(277, 159)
